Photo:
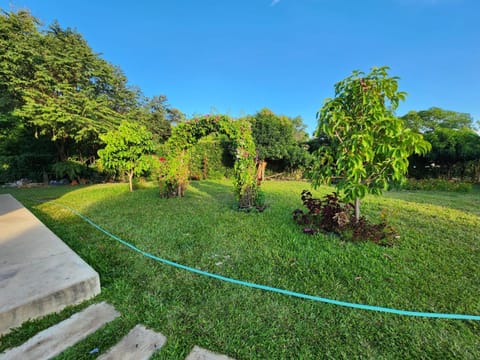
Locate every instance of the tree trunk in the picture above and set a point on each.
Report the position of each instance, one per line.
(130, 180)
(60, 144)
(357, 209)
(180, 190)
(45, 176)
(262, 164)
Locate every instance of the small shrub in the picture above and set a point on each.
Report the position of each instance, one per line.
(252, 200)
(72, 169)
(330, 215)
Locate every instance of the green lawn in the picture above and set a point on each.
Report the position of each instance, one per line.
(433, 268)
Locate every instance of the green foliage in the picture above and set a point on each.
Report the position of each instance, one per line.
(450, 146)
(367, 146)
(158, 117)
(455, 145)
(185, 135)
(71, 168)
(19, 40)
(126, 150)
(437, 185)
(429, 120)
(298, 157)
(53, 85)
(210, 159)
(279, 141)
(273, 134)
(32, 166)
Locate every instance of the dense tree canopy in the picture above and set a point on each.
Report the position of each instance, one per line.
(57, 96)
(455, 144)
(429, 120)
(158, 117)
(277, 137)
(56, 86)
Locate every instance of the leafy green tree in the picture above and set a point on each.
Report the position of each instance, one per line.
(74, 95)
(158, 117)
(367, 146)
(299, 127)
(19, 44)
(53, 85)
(453, 151)
(429, 120)
(126, 150)
(273, 136)
(455, 144)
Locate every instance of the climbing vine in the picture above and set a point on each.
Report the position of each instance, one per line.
(174, 171)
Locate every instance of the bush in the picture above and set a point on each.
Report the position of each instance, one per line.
(330, 215)
(437, 185)
(72, 169)
(33, 166)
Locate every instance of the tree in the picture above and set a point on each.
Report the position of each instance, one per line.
(53, 85)
(455, 144)
(367, 146)
(273, 136)
(453, 151)
(19, 43)
(429, 120)
(158, 117)
(75, 95)
(126, 150)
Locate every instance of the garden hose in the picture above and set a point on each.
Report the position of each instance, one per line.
(273, 289)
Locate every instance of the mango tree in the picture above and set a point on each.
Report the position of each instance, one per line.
(365, 146)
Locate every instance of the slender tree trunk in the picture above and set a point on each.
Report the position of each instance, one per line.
(357, 209)
(130, 180)
(262, 164)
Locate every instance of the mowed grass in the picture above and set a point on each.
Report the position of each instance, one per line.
(433, 268)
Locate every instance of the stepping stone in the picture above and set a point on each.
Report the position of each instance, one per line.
(55, 339)
(39, 273)
(139, 344)
(202, 354)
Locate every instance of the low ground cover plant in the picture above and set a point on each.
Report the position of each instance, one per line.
(330, 215)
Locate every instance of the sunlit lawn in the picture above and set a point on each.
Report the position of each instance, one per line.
(433, 268)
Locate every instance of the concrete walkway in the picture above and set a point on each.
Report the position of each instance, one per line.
(39, 274)
(54, 340)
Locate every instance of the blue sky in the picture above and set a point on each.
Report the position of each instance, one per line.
(237, 57)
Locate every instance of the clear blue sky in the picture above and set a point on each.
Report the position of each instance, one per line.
(236, 57)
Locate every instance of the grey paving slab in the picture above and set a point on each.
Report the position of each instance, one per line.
(199, 353)
(39, 273)
(57, 338)
(139, 344)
